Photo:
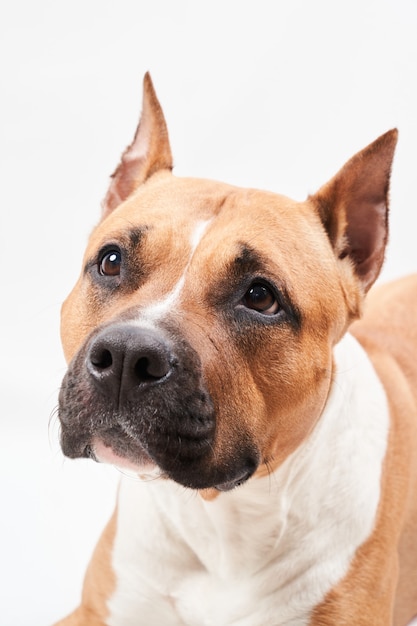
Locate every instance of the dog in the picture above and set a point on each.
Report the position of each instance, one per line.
(222, 354)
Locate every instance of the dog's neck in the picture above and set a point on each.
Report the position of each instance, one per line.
(299, 524)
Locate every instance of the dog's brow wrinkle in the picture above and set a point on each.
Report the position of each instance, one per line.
(249, 258)
(221, 203)
(136, 234)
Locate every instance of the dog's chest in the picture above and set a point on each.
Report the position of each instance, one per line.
(266, 553)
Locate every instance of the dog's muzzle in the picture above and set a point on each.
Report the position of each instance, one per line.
(142, 395)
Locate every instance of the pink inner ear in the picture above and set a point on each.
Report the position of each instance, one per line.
(127, 176)
(149, 152)
(353, 207)
(367, 234)
(124, 179)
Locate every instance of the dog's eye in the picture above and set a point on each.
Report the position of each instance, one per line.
(109, 263)
(261, 298)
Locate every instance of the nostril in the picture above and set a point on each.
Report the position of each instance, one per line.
(148, 368)
(101, 359)
(142, 370)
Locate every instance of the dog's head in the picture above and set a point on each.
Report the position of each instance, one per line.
(199, 335)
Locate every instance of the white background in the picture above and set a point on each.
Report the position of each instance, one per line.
(264, 94)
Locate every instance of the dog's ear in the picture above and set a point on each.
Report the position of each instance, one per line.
(148, 153)
(353, 207)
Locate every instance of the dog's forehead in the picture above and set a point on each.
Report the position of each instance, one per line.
(173, 209)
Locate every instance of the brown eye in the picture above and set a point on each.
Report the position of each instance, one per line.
(261, 298)
(110, 262)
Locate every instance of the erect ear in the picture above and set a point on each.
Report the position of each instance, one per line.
(149, 152)
(353, 207)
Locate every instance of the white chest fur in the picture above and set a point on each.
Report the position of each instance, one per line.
(268, 552)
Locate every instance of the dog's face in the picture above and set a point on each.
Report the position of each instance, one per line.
(199, 335)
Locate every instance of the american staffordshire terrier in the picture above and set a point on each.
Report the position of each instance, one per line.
(215, 354)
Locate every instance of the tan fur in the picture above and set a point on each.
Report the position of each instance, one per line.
(277, 400)
(99, 583)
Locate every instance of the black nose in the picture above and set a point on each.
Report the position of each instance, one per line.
(123, 357)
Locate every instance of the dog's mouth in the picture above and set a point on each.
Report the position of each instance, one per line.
(128, 455)
(192, 462)
(145, 468)
(130, 447)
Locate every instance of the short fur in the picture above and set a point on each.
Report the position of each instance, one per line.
(208, 351)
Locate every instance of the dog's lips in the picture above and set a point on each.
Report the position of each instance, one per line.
(237, 482)
(103, 453)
